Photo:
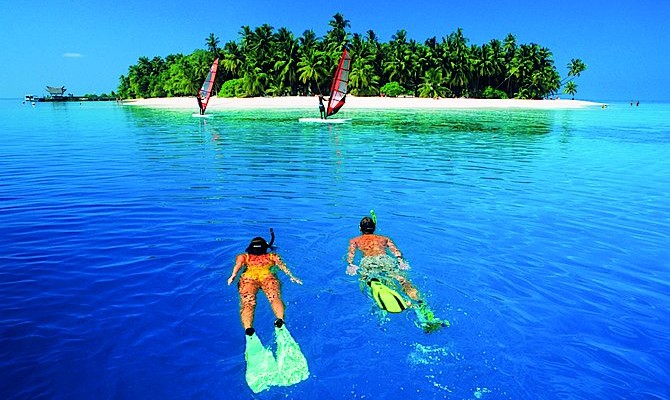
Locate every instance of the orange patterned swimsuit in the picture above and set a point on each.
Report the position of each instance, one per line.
(258, 275)
(259, 267)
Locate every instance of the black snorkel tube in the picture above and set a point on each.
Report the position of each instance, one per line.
(272, 238)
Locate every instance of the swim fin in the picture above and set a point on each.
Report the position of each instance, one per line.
(386, 298)
(261, 365)
(426, 319)
(291, 363)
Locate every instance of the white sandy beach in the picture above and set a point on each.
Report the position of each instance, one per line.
(382, 103)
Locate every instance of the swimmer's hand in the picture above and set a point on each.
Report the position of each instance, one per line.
(351, 269)
(403, 264)
(231, 279)
(296, 280)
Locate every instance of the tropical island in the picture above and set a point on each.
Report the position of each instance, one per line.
(265, 62)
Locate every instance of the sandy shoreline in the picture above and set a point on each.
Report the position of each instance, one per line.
(305, 102)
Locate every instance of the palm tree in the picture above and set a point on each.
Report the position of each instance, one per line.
(432, 85)
(255, 82)
(362, 78)
(337, 37)
(245, 37)
(233, 59)
(509, 47)
(199, 65)
(522, 69)
(498, 62)
(490, 65)
(140, 77)
(550, 81)
(398, 59)
(308, 40)
(212, 44)
(286, 55)
(571, 89)
(261, 43)
(575, 69)
(455, 61)
(312, 68)
(477, 61)
(430, 54)
(178, 81)
(371, 36)
(509, 50)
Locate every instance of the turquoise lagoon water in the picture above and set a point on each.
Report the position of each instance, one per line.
(541, 235)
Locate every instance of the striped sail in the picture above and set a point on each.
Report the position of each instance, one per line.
(338, 91)
(207, 86)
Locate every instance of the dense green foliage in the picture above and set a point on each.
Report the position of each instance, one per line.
(265, 62)
(491, 93)
(101, 97)
(392, 89)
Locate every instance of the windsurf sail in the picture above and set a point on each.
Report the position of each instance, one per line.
(338, 90)
(206, 90)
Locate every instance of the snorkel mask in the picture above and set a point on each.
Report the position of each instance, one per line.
(259, 246)
(367, 225)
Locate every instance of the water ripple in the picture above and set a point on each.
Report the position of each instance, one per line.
(542, 236)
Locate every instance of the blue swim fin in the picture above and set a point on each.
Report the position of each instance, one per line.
(261, 365)
(291, 363)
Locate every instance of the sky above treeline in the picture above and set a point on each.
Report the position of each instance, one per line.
(87, 46)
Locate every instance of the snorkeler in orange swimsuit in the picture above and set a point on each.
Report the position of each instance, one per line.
(259, 275)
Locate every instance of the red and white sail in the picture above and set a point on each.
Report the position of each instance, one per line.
(207, 86)
(338, 90)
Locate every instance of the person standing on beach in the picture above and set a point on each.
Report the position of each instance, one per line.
(322, 108)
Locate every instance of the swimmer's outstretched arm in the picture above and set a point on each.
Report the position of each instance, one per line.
(239, 261)
(396, 252)
(351, 267)
(280, 263)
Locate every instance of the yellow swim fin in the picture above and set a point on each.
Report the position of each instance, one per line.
(386, 298)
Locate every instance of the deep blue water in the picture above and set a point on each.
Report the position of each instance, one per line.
(541, 235)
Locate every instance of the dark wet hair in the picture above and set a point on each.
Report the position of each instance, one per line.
(367, 225)
(258, 246)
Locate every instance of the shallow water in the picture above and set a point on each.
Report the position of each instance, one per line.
(541, 235)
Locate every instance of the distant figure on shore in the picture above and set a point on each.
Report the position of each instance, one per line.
(637, 104)
(197, 96)
(322, 108)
